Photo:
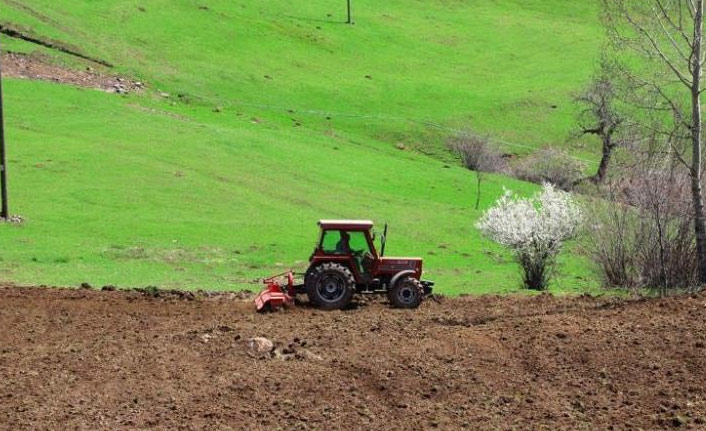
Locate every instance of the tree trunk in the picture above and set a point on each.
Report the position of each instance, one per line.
(605, 162)
(479, 178)
(695, 172)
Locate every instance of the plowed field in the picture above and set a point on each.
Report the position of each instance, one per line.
(90, 360)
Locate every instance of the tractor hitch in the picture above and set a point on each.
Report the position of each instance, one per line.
(428, 286)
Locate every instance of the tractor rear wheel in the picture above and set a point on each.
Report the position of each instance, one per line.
(330, 286)
(406, 293)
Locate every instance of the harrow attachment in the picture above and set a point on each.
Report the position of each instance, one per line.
(279, 292)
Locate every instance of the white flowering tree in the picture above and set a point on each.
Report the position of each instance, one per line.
(534, 228)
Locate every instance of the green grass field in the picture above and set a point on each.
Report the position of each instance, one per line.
(142, 189)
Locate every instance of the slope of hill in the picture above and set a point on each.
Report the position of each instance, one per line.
(259, 119)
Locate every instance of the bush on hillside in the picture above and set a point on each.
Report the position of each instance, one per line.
(645, 237)
(477, 153)
(551, 165)
(535, 229)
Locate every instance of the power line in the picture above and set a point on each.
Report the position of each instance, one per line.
(423, 122)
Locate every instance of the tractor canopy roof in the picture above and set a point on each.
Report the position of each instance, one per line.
(346, 224)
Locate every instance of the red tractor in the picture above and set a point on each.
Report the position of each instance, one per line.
(345, 262)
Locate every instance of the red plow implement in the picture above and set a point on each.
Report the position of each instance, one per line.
(279, 292)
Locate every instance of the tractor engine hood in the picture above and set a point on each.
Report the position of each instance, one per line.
(397, 264)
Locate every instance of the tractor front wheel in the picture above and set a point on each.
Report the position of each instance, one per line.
(406, 293)
(330, 286)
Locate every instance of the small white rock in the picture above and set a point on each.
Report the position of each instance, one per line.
(260, 346)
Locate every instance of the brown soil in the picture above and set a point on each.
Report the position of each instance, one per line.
(39, 67)
(116, 360)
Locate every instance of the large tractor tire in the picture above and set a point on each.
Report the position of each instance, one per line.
(330, 286)
(406, 293)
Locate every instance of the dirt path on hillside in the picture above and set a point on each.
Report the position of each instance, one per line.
(39, 67)
(87, 360)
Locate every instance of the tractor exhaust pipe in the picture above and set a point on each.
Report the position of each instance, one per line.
(383, 240)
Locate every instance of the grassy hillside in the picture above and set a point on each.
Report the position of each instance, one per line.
(144, 189)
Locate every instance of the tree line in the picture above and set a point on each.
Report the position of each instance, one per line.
(646, 222)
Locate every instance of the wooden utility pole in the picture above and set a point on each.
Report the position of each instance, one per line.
(4, 210)
(350, 16)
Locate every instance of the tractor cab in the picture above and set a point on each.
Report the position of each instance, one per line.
(350, 242)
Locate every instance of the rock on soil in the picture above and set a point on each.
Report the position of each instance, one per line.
(39, 67)
(260, 347)
(13, 219)
(263, 348)
(121, 360)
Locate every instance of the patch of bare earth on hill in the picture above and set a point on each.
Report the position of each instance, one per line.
(39, 67)
(125, 360)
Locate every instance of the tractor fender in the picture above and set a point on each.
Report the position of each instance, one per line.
(399, 276)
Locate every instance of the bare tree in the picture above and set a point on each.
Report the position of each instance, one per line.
(477, 154)
(667, 35)
(600, 117)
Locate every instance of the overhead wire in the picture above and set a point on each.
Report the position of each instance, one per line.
(420, 121)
